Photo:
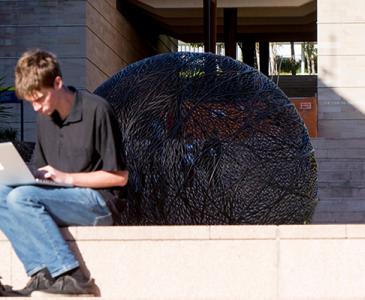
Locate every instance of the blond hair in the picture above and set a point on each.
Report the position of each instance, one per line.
(34, 70)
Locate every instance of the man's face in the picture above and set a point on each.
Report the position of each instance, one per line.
(43, 101)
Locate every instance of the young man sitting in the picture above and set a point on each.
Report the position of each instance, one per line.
(77, 144)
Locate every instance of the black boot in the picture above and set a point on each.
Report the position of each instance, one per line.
(40, 281)
(4, 289)
(71, 283)
(7, 291)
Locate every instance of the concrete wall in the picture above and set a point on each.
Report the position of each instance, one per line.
(310, 262)
(340, 150)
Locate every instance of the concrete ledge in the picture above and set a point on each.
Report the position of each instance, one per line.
(285, 262)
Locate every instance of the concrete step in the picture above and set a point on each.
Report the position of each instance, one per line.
(216, 262)
(341, 164)
(338, 217)
(346, 185)
(356, 177)
(339, 148)
(344, 172)
(175, 298)
(329, 190)
(343, 129)
(340, 210)
(341, 180)
(356, 184)
(55, 298)
(351, 114)
(335, 143)
(338, 204)
(179, 298)
(341, 153)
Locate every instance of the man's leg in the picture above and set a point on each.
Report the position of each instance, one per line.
(39, 211)
(22, 244)
(19, 239)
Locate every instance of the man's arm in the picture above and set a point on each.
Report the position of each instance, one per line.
(96, 179)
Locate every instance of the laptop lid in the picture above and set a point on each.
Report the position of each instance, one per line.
(14, 171)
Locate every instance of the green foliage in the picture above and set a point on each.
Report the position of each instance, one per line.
(4, 110)
(311, 54)
(196, 45)
(6, 134)
(191, 73)
(286, 64)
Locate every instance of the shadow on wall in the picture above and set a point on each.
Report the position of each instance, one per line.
(340, 152)
(340, 148)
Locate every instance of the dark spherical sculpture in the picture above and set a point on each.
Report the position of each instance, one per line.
(209, 140)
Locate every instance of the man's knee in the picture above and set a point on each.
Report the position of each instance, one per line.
(4, 191)
(20, 196)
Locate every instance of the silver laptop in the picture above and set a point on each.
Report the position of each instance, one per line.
(14, 171)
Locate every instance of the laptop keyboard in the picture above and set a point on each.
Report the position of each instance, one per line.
(50, 182)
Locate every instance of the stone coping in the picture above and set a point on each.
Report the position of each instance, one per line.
(179, 298)
(213, 232)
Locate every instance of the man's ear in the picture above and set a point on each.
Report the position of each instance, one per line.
(58, 83)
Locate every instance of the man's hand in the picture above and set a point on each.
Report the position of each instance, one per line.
(51, 173)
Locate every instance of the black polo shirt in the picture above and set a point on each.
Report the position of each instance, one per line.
(87, 140)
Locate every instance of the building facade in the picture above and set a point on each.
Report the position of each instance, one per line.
(96, 38)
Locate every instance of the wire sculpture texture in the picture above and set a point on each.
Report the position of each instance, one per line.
(210, 140)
